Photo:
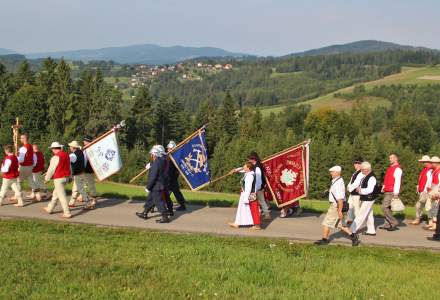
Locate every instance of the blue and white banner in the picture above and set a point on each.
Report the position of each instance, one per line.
(103, 154)
(191, 159)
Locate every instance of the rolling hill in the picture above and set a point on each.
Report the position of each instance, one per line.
(363, 46)
(147, 54)
(409, 75)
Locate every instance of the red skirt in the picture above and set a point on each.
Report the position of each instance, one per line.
(255, 211)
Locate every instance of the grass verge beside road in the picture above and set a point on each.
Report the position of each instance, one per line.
(44, 260)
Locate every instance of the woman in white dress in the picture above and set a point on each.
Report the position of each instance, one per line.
(244, 215)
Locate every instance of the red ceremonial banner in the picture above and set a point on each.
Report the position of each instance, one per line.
(287, 174)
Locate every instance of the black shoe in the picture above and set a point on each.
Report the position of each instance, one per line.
(181, 208)
(355, 240)
(384, 227)
(394, 228)
(322, 242)
(142, 215)
(434, 239)
(171, 213)
(164, 219)
(370, 234)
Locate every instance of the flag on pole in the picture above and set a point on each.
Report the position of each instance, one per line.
(191, 159)
(104, 156)
(287, 174)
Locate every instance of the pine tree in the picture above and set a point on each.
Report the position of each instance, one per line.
(140, 123)
(24, 75)
(60, 99)
(227, 117)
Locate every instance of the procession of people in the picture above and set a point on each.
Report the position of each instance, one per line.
(354, 215)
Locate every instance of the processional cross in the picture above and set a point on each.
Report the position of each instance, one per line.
(15, 133)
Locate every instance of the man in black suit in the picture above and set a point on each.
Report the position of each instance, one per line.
(173, 175)
(156, 185)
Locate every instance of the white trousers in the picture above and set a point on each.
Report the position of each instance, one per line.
(78, 188)
(13, 184)
(59, 194)
(354, 206)
(365, 215)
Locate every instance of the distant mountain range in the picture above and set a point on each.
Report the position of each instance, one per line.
(364, 46)
(154, 54)
(4, 51)
(147, 54)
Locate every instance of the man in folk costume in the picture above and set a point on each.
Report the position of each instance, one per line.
(173, 180)
(59, 171)
(434, 195)
(391, 190)
(156, 185)
(89, 174)
(260, 183)
(78, 166)
(9, 169)
(423, 188)
(352, 187)
(368, 193)
(27, 161)
(37, 174)
(248, 210)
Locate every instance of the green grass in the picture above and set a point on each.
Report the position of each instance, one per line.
(409, 75)
(43, 260)
(126, 191)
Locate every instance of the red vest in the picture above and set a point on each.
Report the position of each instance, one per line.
(389, 180)
(39, 167)
(423, 179)
(435, 179)
(29, 156)
(63, 168)
(13, 168)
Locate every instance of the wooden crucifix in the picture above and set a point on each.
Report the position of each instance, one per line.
(15, 133)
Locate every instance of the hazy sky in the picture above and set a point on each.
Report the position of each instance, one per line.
(265, 27)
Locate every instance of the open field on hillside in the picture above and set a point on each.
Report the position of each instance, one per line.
(40, 258)
(409, 75)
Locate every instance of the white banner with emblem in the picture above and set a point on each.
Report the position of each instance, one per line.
(104, 156)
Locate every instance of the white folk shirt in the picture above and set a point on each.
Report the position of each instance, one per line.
(54, 161)
(22, 153)
(397, 179)
(428, 181)
(6, 165)
(370, 186)
(258, 179)
(356, 183)
(337, 191)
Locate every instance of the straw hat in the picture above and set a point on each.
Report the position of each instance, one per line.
(425, 158)
(435, 159)
(74, 144)
(55, 145)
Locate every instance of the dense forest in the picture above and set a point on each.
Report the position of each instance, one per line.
(55, 105)
(272, 81)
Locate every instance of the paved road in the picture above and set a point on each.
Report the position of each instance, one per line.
(213, 220)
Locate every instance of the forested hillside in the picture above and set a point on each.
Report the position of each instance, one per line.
(55, 106)
(273, 81)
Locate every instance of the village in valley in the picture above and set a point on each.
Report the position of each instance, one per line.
(143, 73)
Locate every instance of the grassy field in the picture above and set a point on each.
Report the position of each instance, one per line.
(43, 260)
(125, 191)
(409, 75)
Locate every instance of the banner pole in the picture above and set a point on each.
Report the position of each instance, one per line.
(138, 176)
